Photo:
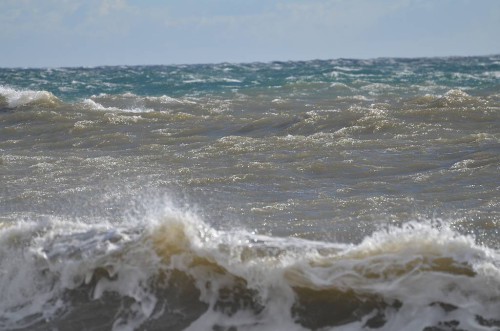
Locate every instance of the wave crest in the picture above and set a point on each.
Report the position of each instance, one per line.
(19, 98)
(241, 279)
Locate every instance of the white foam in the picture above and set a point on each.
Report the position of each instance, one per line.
(42, 259)
(194, 80)
(493, 74)
(346, 68)
(132, 103)
(93, 105)
(403, 259)
(419, 264)
(169, 100)
(97, 106)
(16, 98)
(230, 80)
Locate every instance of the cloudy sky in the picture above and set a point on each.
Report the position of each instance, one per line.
(55, 33)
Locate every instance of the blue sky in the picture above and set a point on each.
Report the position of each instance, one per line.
(55, 33)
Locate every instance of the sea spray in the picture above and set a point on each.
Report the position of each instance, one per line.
(244, 280)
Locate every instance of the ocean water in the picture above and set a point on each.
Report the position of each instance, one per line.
(319, 195)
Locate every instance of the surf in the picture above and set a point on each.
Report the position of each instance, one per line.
(147, 271)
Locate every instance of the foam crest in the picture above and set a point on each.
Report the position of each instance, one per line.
(129, 102)
(97, 106)
(243, 280)
(455, 98)
(414, 266)
(93, 105)
(18, 98)
(43, 260)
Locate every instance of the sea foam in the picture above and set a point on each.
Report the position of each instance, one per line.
(245, 280)
(17, 98)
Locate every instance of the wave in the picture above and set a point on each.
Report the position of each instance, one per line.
(194, 80)
(129, 102)
(456, 98)
(173, 270)
(12, 98)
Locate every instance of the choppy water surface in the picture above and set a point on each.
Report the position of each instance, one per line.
(320, 195)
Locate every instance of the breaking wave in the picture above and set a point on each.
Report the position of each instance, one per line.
(173, 270)
(129, 102)
(13, 98)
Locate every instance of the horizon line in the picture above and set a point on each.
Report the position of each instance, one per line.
(248, 62)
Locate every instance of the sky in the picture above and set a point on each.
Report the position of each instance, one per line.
(63, 33)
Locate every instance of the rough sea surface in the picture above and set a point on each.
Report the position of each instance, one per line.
(319, 195)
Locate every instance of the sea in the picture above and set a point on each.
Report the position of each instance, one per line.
(309, 195)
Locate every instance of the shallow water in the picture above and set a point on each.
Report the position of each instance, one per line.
(342, 194)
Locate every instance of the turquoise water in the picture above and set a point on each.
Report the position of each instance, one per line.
(406, 76)
(340, 194)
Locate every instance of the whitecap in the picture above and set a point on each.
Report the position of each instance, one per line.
(17, 98)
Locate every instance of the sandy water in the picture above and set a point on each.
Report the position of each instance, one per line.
(342, 194)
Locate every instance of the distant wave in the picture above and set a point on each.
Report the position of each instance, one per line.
(129, 102)
(17, 98)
